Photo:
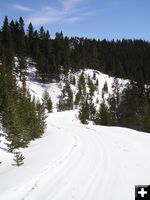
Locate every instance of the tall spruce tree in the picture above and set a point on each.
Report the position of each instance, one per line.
(7, 43)
(66, 98)
(84, 112)
(114, 101)
(103, 116)
(47, 101)
(82, 85)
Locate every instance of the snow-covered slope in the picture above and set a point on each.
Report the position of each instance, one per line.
(54, 89)
(74, 161)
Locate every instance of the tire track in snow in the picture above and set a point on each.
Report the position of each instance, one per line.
(76, 176)
(78, 173)
(65, 170)
(93, 169)
(49, 167)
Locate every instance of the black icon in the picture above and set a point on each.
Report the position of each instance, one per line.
(142, 192)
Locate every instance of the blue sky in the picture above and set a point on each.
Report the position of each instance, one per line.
(110, 19)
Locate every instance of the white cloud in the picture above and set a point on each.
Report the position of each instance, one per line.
(40, 20)
(70, 4)
(22, 8)
(45, 15)
(67, 12)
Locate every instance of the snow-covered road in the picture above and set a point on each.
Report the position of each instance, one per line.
(78, 162)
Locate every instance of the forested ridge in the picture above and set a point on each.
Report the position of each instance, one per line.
(129, 59)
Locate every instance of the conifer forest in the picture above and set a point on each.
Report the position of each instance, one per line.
(23, 117)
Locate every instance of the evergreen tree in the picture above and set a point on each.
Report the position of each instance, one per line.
(66, 101)
(21, 37)
(145, 117)
(94, 76)
(103, 116)
(30, 39)
(21, 67)
(47, 101)
(104, 89)
(77, 99)
(131, 107)
(84, 112)
(114, 102)
(61, 105)
(92, 88)
(82, 85)
(97, 84)
(7, 43)
(18, 159)
(40, 119)
(92, 110)
(74, 80)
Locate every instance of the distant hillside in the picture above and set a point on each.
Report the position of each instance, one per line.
(102, 99)
(54, 89)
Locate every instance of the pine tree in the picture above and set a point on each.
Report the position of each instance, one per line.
(91, 88)
(114, 101)
(66, 99)
(22, 66)
(77, 99)
(145, 117)
(47, 101)
(15, 130)
(103, 116)
(40, 119)
(74, 80)
(94, 76)
(104, 89)
(61, 105)
(82, 85)
(92, 110)
(21, 37)
(96, 84)
(7, 42)
(30, 39)
(18, 159)
(84, 112)
(131, 107)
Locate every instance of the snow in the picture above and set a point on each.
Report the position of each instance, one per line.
(76, 162)
(54, 89)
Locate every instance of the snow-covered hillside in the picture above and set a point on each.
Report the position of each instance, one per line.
(74, 161)
(54, 89)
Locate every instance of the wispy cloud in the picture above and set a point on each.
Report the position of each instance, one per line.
(68, 11)
(70, 4)
(45, 15)
(22, 8)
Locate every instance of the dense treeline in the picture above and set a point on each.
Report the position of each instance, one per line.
(129, 107)
(22, 118)
(122, 58)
